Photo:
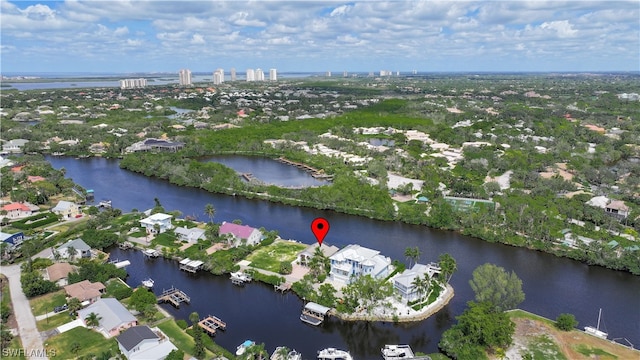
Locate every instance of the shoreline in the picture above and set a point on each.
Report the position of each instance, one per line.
(423, 314)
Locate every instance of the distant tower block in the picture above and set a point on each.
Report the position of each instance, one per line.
(233, 74)
(345, 74)
(251, 75)
(185, 77)
(328, 74)
(259, 74)
(273, 75)
(218, 77)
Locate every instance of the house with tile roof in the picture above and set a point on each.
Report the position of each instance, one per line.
(59, 272)
(240, 233)
(355, 260)
(114, 318)
(85, 291)
(17, 210)
(144, 343)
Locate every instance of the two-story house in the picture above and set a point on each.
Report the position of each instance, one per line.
(66, 209)
(355, 260)
(405, 285)
(157, 223)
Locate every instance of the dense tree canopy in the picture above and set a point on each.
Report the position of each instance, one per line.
(493, 285)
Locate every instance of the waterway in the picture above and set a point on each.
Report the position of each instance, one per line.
(552, 285)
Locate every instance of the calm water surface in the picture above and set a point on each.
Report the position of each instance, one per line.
(552, 285)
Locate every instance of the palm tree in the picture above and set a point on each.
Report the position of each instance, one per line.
(412, 254)
(92, 320)
(210, 211)
(194, 318)
(71, 252)
(282, 352)
(74, 305)
(417, 283)
(447, 266)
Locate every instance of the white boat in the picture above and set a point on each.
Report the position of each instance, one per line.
(239, 278)
(244, 346)
(290, 354)
(395, 352)
(148, 283)
(595, 331)
(333, 354)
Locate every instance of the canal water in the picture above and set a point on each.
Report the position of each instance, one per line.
(552, 285)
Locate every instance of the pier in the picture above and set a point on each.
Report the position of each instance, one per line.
(211, 324)
(314, 313)
(282, 287)
(191, 265)
(315, 173)
(151, 253)
(239, 278)
(174, 297)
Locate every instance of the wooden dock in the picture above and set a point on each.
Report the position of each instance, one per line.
(282, 287)
(211, 324)
(174, 297)
(315, 173)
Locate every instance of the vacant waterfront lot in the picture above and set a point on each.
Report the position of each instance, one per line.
(270, 257)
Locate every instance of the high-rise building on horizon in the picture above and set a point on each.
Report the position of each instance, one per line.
(233, 74)
(133, 83)
(328, 74)
(259, 74)
(185, 77)
(218, 76)
(273, 75)
(251, 75)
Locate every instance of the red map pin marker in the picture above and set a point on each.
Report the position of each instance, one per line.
(320, 228)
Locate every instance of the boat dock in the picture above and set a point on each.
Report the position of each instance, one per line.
(152, 253)
(314, 313)
(282, 287)
(191, 265)
(315, 173)
(120, 264)
(174, 297)
(125, 245)
(105, 204)
(211, 324)
(239, 278)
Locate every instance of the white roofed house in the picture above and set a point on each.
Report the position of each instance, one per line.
(355, 260)
(157, 223)
(405, 285)
(81, 249)
(190, 235)
(113, 316)
(66, 209)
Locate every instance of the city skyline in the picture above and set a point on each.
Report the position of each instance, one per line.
(305, 36)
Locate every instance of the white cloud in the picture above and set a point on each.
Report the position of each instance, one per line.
(197, 39)
(123, 30)
(563, 28)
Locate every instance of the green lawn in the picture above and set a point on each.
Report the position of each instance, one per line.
(165, 239)
(178, 337)
(45, 303)
(270, 257)
(592, 352)
(517, 313)
(54, 321)
(81, 342)
(544, 348)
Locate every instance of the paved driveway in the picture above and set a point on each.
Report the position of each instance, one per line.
(29, 334)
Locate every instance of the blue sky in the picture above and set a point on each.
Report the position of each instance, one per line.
(307, 35)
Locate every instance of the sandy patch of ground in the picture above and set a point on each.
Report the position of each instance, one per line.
(402, 198)
(503, 180)
(455, 110)
(215, 247)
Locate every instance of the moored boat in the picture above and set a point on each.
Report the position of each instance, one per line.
(334, 354)
(244, 346)
(395, 352)
(148, 283)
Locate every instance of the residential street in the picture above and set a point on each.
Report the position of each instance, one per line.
(31, 341)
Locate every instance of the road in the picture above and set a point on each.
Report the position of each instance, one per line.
(29, 334)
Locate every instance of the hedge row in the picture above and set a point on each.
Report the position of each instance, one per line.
(35, 221)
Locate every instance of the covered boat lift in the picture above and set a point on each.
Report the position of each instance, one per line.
(314, 313)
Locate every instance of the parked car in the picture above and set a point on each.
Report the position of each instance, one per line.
(60, 308)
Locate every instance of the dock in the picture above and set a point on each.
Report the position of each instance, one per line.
(191, 266)
(125, 245)
(282, 287)
(314, 314)
(174, 297)
(152, 253)
(120, 264)
(239, 278)
(315, 173)
(211, 324)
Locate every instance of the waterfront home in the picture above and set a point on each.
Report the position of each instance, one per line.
(14, 146)
(404, 283)
(113, 316)
(144, 343)
(17, 210)
(58, 273)
(618, 209)
(157, 223)
(240, 233)
(79, 249)
(66, 209)
(155, 144)
(305, 255)
(355, 260)
(190, 235)
(85, 291)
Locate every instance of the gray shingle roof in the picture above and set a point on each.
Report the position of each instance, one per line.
(134, 336)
